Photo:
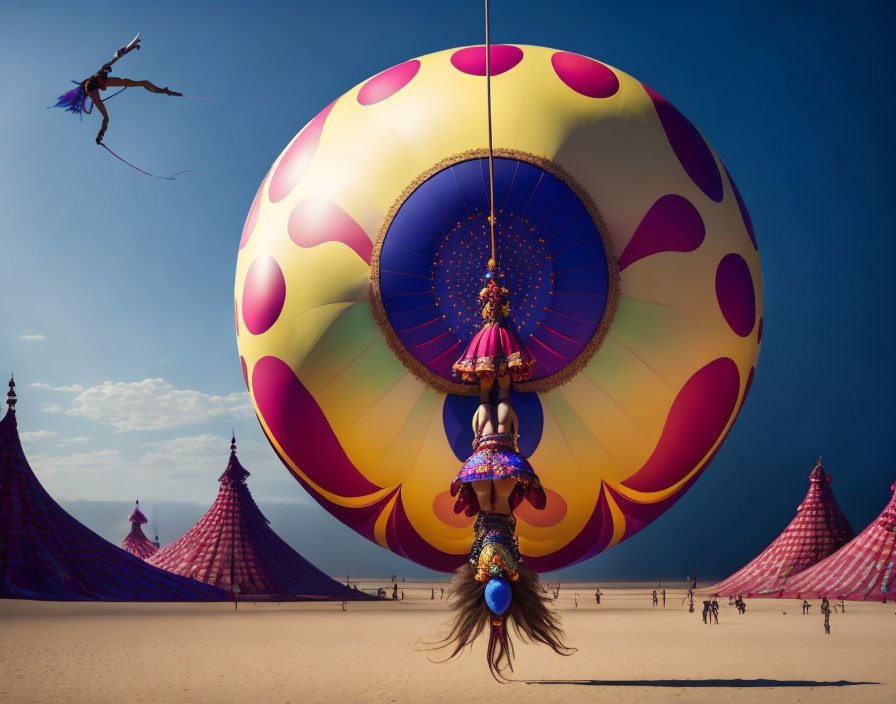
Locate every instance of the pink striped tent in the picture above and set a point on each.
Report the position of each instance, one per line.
(136, 541)
(233, 546)
(46, 554)
(864, 568)
(818, 529)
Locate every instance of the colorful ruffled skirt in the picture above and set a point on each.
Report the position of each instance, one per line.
(495, 457)
(490, 347)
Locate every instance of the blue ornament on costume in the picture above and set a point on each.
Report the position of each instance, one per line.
(497, 595)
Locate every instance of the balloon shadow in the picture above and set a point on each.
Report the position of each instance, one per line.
(702, 683)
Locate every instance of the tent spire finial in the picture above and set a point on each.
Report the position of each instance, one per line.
(232, 440)
(11, 394)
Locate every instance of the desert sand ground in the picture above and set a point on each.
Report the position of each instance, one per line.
(316, 652)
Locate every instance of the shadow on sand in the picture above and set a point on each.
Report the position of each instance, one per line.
(702, 683)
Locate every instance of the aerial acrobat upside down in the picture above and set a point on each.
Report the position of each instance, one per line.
(80, 100)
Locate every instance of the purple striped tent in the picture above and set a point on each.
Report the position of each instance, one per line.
(46, 554)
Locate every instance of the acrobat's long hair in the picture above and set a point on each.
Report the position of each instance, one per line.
(529, 612)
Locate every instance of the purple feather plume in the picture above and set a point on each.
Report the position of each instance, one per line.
(74, 101)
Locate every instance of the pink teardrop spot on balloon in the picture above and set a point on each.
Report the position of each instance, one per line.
(263, 295)
(315, 221)
(672, 224)
(735, 294)
(472, 59)
(298, 157)
(689, 146)
(388, 83)
(696, 420)
(293, 416)
(585, 76)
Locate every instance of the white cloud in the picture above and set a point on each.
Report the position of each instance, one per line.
(32, 335)
(35, 435)
(154, 404)
(198, 455)
(177, 469)
(95, 462)
(74, 440)
(74, 388)
(52, 408)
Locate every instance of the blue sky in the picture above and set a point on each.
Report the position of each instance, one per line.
(117, 309)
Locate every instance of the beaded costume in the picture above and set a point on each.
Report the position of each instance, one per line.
(495, 344)
(494, 587)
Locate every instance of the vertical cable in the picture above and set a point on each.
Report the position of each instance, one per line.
(493, 263)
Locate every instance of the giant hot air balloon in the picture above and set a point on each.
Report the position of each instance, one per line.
(632, 276)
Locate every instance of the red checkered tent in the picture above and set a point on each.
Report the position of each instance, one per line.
(862, 569)
(136, 541)
(46, 554)
(233, 546)
(818, 529)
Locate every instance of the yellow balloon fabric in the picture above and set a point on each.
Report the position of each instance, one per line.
(635, 279)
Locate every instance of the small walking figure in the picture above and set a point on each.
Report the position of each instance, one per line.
(806, 607)
(664, 598)
(706, 608)
(714, 608)
(402, 594)
(442, 590)
(826, 610)
(597, 595)
(395, 591)
(655, 599)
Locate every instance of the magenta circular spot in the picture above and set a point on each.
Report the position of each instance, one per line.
(298, 157)
(472, 59)
(759, 332)
(245, 371)
(252, 217)
(585, 76)
(696, 420)
(672, 224)
(263, 295)
(689, 146)
(388, 83)
(315, 221)
(735, 294)
(748, 222)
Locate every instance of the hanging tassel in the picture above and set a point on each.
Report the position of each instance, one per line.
(137, 168)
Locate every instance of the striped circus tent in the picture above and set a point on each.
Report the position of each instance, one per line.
(233, 547)
(136, 541)
(45, 553)
(818, 529)
(863, 569)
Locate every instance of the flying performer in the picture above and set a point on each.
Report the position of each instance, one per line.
(81, 100)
